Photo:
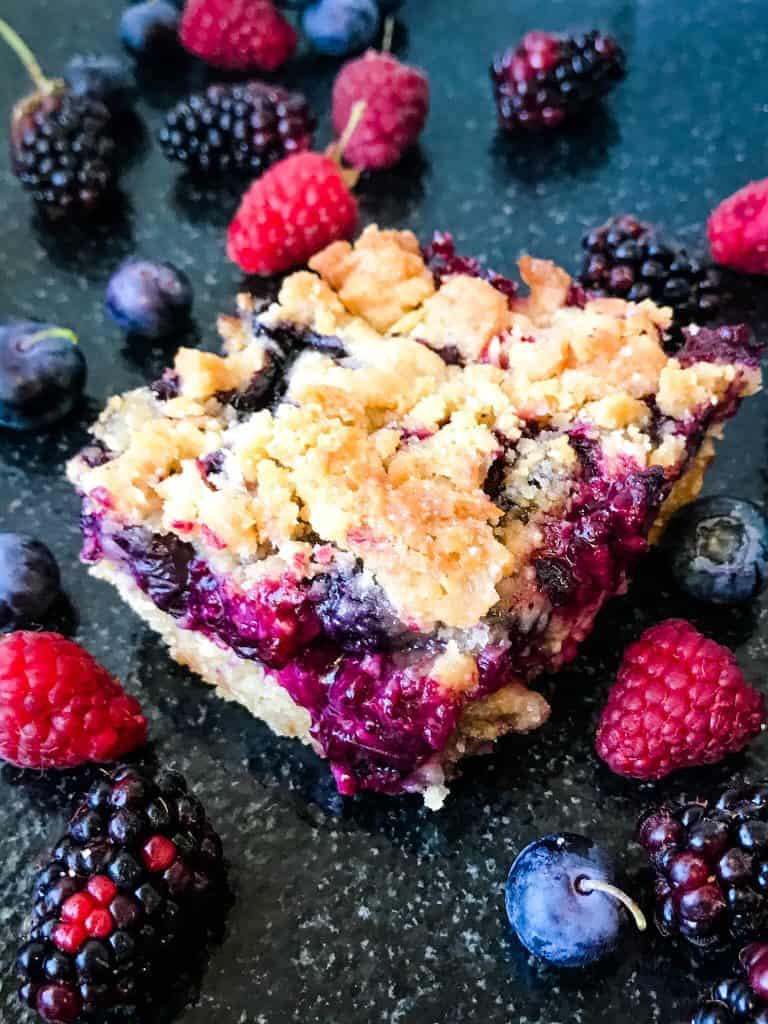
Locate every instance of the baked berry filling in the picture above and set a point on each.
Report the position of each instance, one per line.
(400, 541)
(340, 650)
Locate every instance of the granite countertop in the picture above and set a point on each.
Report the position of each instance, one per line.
(375, 910)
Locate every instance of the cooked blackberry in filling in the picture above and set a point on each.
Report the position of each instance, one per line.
(401, 493)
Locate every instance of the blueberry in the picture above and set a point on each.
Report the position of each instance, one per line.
(150, 29)
(551, 907)
(718, 549)
(42, 373)
(29, 580)
(339, 27)
(355, 614)
(149, 299)
(101, 77)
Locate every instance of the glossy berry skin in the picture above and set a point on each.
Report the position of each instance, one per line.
(710, 861)
(552, 918)
(240, 35)
(339, 27)
(717, 550)
(397, 101)
(245, 128)
(149, 299)
(298, 207)
(149, 29)
(738, 229)
(63, 153)
(627, 258)
(59, 707)
(101, 77)
(29, 580)
(679, 700)
(42, 373)
(110, 937)
(548, 78)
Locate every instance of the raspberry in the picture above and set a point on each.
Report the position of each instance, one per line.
(397, 101)
(129, 943)
(738, 229)
(297, 208)
(59, 707)
(679, 700)
(547, 78)
(241, 35)
(626, 258)
(244, 127)
(711, 871)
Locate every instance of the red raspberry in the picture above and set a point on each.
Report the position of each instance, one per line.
(679, 700)
(738, 229)
(397, 101)
(243, 35)
(297, 208)
(59, 707)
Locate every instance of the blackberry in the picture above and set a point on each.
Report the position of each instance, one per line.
(740, 999)
(104, 930)
(243, 127)
(626, 258)
(548, 78)
(62, 144)
(711, 862)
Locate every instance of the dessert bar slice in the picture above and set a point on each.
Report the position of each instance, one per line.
(400, 493)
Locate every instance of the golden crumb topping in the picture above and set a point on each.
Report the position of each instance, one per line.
(381, 447)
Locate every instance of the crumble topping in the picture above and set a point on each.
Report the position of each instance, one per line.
(384, 449)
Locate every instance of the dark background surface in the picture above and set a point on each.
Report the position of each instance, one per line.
(354, 912)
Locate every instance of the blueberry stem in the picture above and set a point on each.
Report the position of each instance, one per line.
(588, 885)
(57, 332)
(25, 55)
(389, 32)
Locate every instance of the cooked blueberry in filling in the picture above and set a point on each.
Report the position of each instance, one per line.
(720, 345)
(282, 344)
(166, 387)
(356, 614)
(159, 563)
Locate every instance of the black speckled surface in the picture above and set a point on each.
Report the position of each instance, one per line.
(375, 910)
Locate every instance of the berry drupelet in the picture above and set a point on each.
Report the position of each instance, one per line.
(626, 258)
(128, 891)
(244, 127)
(62, 146)
(711, 862)
(548, 78)
(740, 999)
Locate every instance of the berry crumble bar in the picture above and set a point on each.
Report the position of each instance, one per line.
(401, 492)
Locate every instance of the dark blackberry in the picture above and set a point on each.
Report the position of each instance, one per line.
(104, 938)
(738, 1000)
(626, 258)
(62, 146)
(548, 78)
(243, 127)
(711, 862)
